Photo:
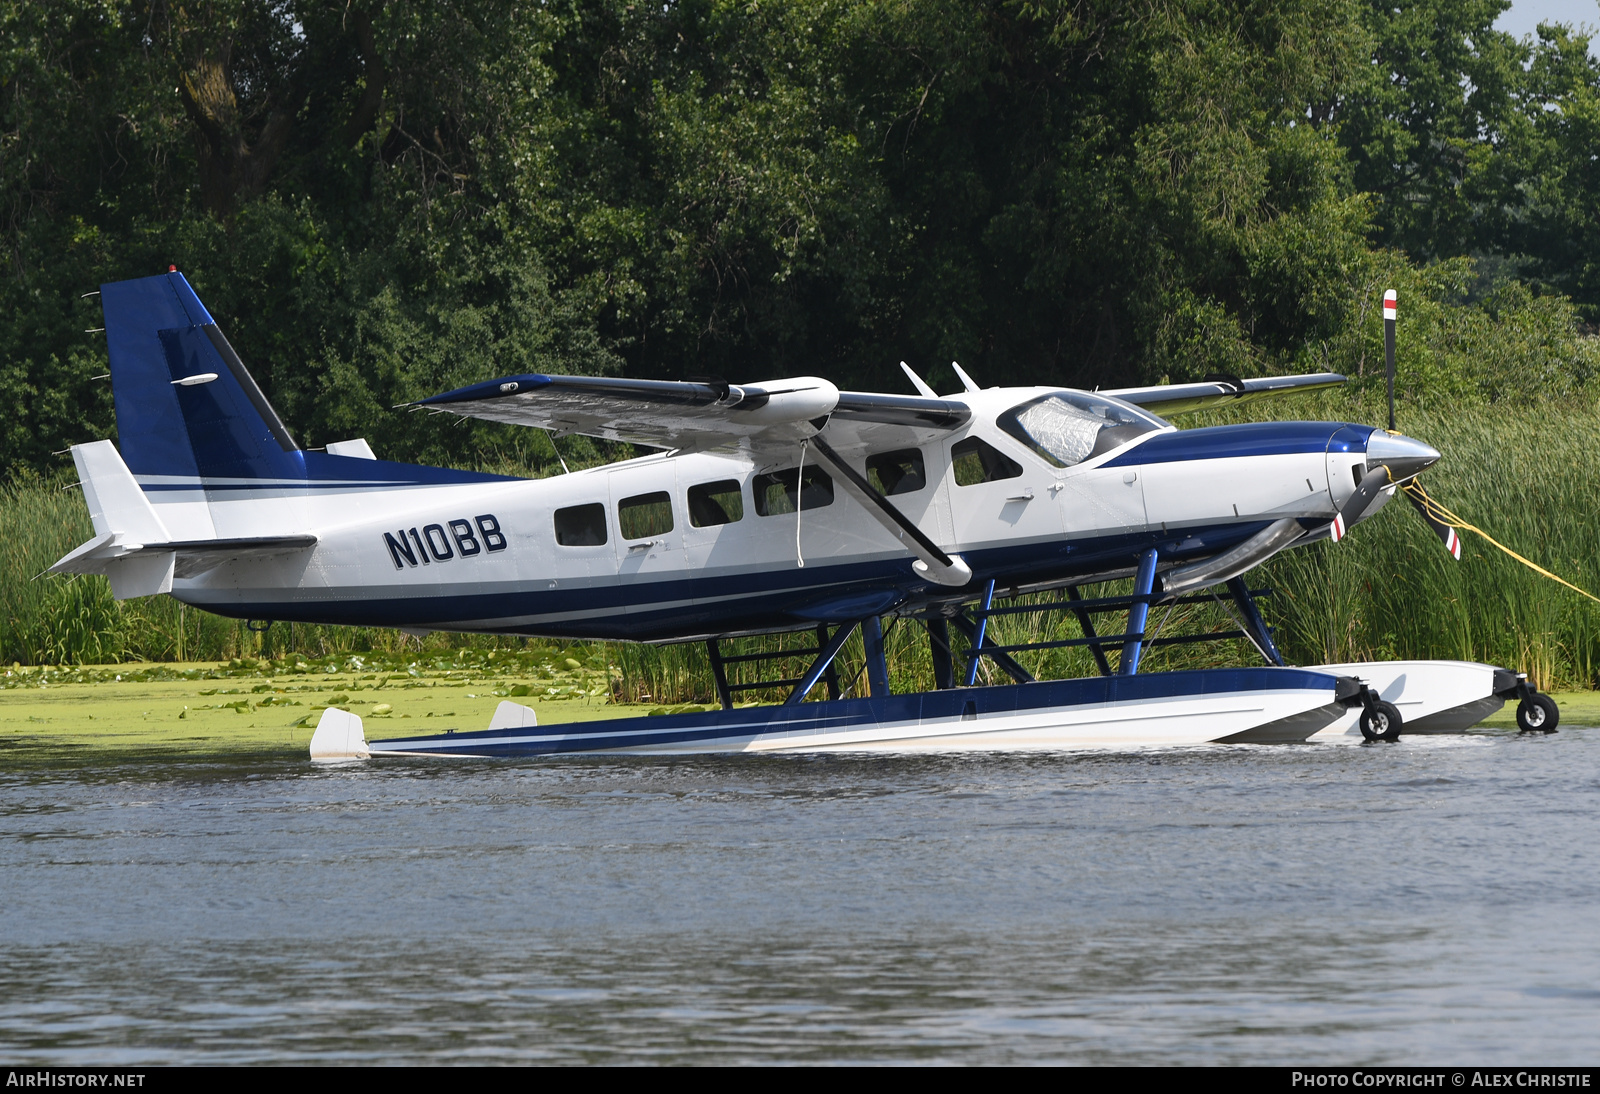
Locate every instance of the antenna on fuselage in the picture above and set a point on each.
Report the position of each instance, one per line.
(918, 382)
(965, 379)
(1390, 301)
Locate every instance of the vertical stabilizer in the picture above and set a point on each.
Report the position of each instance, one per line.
(187, 408)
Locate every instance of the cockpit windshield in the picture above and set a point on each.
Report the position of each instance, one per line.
(1068, 427)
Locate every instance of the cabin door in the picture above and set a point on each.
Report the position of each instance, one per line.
(650, 518)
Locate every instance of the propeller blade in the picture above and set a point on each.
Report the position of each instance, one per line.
(1418, 497)
(1372, 483)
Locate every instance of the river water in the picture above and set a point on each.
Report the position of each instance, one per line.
(1435, 901)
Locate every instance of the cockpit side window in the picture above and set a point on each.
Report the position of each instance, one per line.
(975, 461)
(1068, 427)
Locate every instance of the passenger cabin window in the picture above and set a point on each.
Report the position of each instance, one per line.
(644, 515)
(1068, 427)
(713, 503)
(899, 472)
(775, 492)
(581, 525)
(976, 461)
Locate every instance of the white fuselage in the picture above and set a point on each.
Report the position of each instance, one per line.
(485, 556)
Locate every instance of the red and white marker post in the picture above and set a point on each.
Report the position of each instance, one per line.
(1390, 302)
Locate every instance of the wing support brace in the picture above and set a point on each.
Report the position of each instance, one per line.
(932, 562)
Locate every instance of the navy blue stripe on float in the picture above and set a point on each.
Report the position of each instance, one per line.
(909, 710)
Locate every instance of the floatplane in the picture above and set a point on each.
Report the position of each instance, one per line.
(781, 506)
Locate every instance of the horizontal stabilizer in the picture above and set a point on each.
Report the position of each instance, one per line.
(339, 737)
(145, 569)
(509, 715)
(357, 449)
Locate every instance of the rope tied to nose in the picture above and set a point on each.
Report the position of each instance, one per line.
(1437, 512)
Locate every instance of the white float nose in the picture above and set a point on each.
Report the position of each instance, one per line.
(1403, 456)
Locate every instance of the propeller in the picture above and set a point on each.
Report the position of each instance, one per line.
(1394, 460)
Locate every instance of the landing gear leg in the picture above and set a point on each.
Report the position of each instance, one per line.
(719, 673)
(1005, 661)
(819, 668)
(1087, 624)
(831, 677)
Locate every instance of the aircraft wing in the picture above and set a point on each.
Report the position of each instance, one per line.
(1170, 399)
(688, 415)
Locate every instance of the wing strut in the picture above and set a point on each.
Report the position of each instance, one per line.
(932, 561)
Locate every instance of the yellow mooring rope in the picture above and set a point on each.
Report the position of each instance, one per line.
(1444, 516)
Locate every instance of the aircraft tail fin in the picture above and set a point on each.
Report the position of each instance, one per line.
(191, 417)
(186, 405)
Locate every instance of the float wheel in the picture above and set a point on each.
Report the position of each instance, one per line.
(1382, 722)
(1538, 714)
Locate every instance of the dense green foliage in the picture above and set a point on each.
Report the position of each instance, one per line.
(384, 199)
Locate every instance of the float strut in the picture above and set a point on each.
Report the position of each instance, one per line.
(1087, 624)
(831, 676)
(977, 637)
(719, 673)
(944, 669)
(1000, 657)
(1253, 621)
(820, 666)
(1138, 613)
(877, 664)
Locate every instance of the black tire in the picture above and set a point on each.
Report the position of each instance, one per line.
(1381, 723)
(1538, 714)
